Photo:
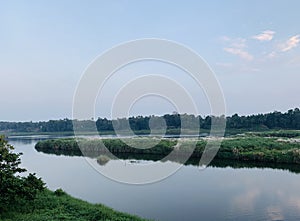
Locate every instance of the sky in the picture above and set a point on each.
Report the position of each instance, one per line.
(251, 46)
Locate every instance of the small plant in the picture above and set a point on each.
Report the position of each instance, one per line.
(102, 160)
(59, 192)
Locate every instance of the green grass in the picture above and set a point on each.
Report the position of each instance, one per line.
(278, 133)
(251, 147)
(94, 147)
(57, 206)
(260, 149)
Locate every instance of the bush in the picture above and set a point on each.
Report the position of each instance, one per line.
(59, 192)
(15, 190)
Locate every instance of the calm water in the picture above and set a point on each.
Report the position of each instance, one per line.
(189, 194)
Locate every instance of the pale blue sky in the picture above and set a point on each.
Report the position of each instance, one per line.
(252, 46)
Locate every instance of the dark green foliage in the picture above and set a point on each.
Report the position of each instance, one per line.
(50, 126)
(274, 120)
(96, 147)
(59, 192)
(235, 124)
(15, 191)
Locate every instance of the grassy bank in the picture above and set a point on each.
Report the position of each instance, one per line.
(277, 133)
(55, 206)
(255, 148)
(95, 147)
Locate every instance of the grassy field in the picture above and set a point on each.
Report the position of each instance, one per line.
(57, 206)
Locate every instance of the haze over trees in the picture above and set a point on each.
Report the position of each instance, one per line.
(274, 120)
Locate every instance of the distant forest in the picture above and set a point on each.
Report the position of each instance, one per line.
(274, 120)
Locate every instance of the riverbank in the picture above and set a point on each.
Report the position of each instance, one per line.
(168, 132)
(250, 147)
(58, 205)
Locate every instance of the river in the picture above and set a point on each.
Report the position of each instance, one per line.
(190, 194)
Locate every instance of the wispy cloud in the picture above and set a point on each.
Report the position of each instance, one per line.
(237, 47)
(259, 57)
(246, 200)
(291, 43)
(264, 36)
(240, 52)
(239, 43)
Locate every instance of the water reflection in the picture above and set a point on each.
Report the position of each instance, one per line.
(218, 163)
(275, 213)
(29, 139)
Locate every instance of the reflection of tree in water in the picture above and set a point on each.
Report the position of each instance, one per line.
(218, 163)
(17, 141)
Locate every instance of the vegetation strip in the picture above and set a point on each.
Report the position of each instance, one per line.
(251, 147)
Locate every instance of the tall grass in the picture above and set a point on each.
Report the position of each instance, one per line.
(249, 148)
(56, 206)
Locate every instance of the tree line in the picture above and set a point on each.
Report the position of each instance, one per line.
(273, 120)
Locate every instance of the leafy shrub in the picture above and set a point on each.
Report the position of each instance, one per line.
(15, 190)
(59, 192)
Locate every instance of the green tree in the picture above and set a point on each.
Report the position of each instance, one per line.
(15, 190)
